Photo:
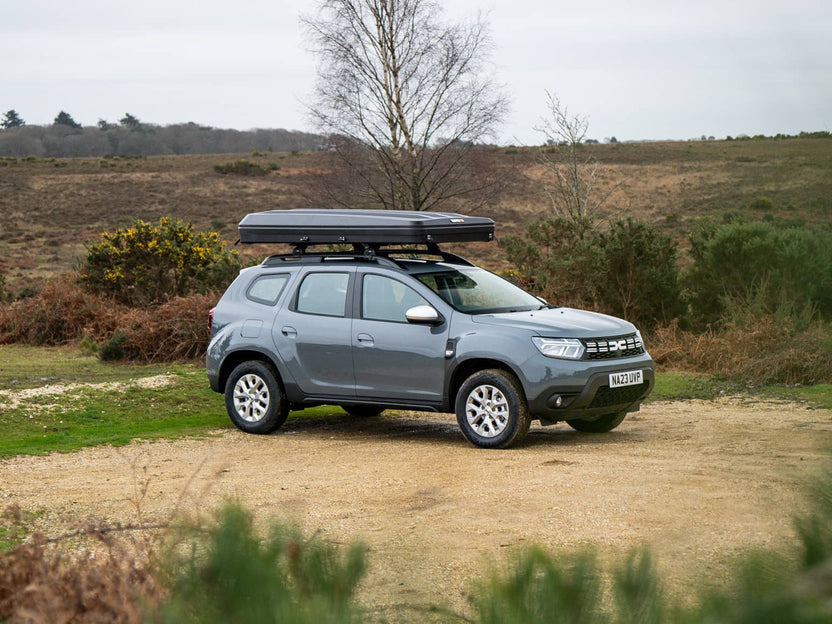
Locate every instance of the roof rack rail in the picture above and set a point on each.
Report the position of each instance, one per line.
(371, 253)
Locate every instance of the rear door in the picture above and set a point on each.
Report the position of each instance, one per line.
(313, 333)
(393, 358)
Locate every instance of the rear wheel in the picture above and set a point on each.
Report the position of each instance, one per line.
(605, 423)
(491, 409)
(254, 398)
(362, 411)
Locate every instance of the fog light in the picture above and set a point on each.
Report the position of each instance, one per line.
(558, 401)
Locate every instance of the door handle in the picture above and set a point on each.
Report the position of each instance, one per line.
(289, 331)
(365, 339)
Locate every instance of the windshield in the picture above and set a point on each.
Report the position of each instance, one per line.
(476, 291)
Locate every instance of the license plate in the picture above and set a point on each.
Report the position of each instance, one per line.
(627, 378)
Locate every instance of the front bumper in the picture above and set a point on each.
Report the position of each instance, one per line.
(593, 397)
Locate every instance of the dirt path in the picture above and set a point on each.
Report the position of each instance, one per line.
(699, 481)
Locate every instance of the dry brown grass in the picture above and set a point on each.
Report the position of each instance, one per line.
(767, 351)
(65, 313)
(110, 581)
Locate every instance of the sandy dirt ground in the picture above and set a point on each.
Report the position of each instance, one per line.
(698, 481)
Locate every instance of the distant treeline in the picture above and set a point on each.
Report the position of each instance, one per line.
(62, 141)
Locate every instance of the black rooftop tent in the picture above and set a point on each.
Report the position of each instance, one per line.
(362, 227)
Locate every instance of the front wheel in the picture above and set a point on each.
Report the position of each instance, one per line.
(254, 398)
(491, 409)
(605, 423)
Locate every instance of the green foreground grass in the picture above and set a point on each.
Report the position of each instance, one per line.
(100, 403)
(108, 404)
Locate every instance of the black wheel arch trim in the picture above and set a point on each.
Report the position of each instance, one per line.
(463, 368)
(242, 354)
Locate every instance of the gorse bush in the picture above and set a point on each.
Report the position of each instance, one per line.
(760, 260)
(149, 263)
(628, 270)
(232, 574)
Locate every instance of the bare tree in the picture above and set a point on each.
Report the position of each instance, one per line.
(573, 184)
(404, 96)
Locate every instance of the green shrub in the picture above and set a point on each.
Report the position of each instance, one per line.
(761, 203)
(553, 258)
(569, 589)
(638, 273)
(231, 574)
(242, 167)
(541, 589)
(113, 349)
(628, 270)
(740, 258)
(149, 263)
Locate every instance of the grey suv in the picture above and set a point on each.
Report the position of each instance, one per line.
(411, 328)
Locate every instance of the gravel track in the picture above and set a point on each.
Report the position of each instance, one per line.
(698, 481)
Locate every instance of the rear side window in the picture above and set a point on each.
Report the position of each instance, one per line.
(266, 289)
(323, 293)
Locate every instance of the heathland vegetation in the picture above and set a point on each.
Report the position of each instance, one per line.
(720, 250)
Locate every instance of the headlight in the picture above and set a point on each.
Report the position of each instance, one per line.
(564, 348)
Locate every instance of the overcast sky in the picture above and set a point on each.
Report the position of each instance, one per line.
(637, 69)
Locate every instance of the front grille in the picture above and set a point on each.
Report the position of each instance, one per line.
(607, 396)
(613, 348)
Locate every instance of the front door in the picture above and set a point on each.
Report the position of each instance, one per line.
(393, 358)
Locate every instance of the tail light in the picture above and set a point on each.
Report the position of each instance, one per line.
(210, 319)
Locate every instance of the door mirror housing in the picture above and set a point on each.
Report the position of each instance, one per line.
(423, 315)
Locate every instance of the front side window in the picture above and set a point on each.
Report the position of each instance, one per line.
(476, 291)
(385, 299)
(323, 293)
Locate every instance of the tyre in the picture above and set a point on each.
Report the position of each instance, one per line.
(605, 423)
(254, 398)
(362, 411)
(491, 409)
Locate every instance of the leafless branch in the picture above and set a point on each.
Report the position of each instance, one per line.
(402, 89)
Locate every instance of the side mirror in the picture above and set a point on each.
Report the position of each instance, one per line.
(423, 315)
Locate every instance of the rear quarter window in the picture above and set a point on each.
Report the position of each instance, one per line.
(266, 289)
